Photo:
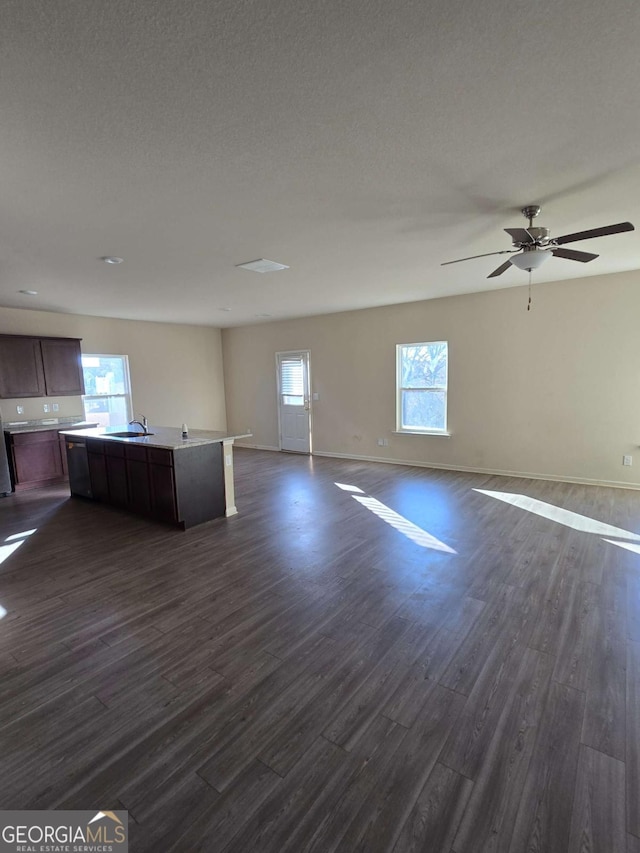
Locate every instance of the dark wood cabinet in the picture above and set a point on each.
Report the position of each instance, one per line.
(40, 367)
(98, 470)
(36, 458)
(117, 479)
(62, 364)
(21, 368)
(63, 456)
(184, 487)
(163, 496)
(139, 486)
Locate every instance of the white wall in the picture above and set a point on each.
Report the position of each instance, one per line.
(552, 392)
(176, 370)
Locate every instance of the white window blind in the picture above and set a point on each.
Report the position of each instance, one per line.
(292, 381)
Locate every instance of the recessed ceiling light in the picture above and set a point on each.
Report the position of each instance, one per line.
(109, 259)
(262, 265)
(224, 309)
(264, 315)
(29, 292)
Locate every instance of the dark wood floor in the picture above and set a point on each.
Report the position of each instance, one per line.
(307, 677)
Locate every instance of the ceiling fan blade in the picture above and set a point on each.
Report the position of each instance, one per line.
(519, 235)
(486, 255)
(572, 255)
(502, 268)
(594, 232)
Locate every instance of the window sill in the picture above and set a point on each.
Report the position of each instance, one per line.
(421, 432)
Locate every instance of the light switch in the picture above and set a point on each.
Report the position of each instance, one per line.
(316, 396)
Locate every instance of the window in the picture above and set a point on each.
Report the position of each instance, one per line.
(422, 387)
(107, 398)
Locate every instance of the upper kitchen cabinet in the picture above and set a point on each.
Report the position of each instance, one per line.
(40, 367)
(21, 370)
(61, 359)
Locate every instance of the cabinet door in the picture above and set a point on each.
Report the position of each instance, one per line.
(139, 487)
(21, 373)
(36, 458)
(98, 476)
(117, 480)
(63, 456)
(163, 496)
(61, 358)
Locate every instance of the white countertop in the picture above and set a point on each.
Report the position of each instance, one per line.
(15, 428)
(169, 438)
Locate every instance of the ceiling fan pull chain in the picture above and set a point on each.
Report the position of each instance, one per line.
(529, 302)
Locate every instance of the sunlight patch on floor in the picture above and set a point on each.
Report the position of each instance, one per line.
(627, 545)
(15, 541)
(399, 522)
(22, 535)
(7, 550)
(562, 516)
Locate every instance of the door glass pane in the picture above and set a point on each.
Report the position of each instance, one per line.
(292, 400)
(292, 377)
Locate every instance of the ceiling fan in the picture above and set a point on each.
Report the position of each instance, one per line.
(533, 245)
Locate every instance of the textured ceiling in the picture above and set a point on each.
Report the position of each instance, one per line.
(362, 143)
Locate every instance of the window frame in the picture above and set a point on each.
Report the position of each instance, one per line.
(127, 379)
(400, 428)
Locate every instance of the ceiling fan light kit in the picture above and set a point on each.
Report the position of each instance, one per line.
(533, 245)
(530, 259)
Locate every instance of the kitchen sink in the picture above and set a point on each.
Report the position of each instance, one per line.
(127, 434)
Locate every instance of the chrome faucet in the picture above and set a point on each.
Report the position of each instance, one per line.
(142, 423)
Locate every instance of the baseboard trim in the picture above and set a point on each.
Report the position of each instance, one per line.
(257, 446)
(527, 475)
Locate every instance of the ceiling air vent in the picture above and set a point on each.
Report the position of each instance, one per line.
(262, 265)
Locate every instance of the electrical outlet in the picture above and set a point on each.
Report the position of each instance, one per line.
(56, 407)
(20, 410)
(228, 459)
(46, 407)
(627, 460)
(383, 442)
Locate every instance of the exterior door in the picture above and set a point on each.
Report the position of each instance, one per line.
(294, 406)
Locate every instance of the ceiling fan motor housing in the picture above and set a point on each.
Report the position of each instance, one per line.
(538, 235)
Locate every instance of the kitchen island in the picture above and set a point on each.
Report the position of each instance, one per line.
(159, 474)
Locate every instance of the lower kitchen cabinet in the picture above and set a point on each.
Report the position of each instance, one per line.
(98, 470)
(127, 476)
(117, 479)
(139, 488)
(184, 487)
(35, 458)
(163, 492)
(63, 456)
